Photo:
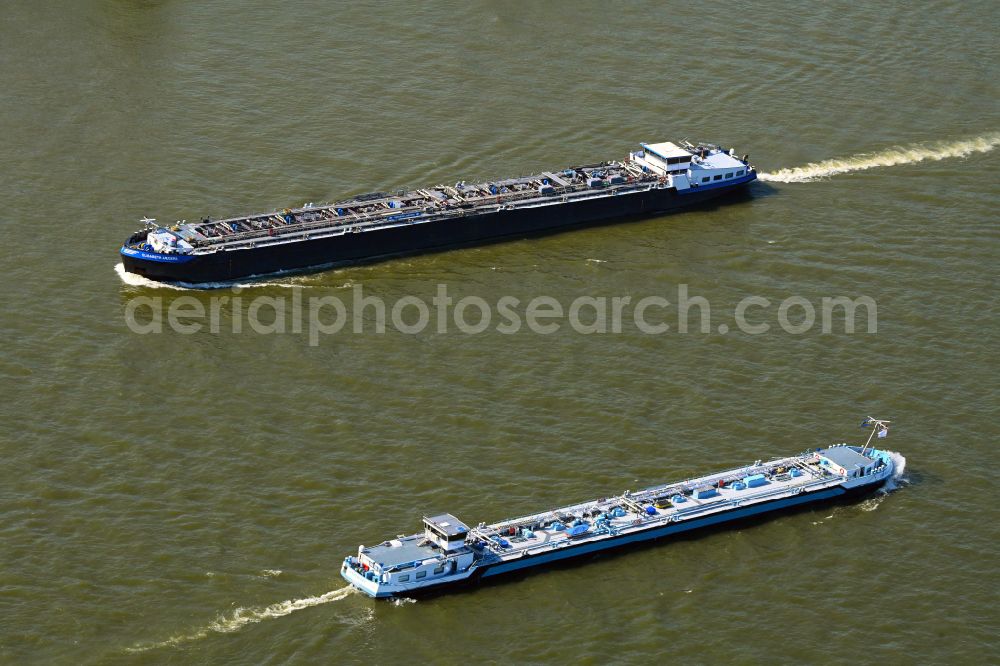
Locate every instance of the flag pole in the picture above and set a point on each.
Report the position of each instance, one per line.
(879, 426)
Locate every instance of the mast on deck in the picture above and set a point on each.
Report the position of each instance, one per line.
(880, 427)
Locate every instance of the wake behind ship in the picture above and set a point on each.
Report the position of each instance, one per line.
(658, 178)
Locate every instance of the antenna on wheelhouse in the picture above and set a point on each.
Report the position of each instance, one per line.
(880, 427)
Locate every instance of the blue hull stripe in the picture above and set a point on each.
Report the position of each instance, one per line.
(157, 256)
(674, 528)
(698, 187)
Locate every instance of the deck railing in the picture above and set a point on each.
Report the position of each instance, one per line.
(682, 514)
(354, 221)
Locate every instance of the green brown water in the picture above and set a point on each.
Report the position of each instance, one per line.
(154, 486)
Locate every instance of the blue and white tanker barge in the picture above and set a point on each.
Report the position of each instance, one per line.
(450, 553)
(658, 178)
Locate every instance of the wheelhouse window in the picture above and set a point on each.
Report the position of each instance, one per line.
(739, 173)
(439, 569)
(719, 177)
(421, 574)
(706, 179)
(404, 578)
(729, 175)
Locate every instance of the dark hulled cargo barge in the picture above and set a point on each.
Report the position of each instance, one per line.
(658, 178)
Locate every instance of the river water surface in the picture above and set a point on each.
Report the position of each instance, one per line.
(188, 498)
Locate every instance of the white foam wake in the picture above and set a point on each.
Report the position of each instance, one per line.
(892, 483)
(890, 157)
(241, 617)
(133, 280)
(897, 474)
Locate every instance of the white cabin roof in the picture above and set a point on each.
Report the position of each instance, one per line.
(846, 457)
(666, 149)
(717, 160)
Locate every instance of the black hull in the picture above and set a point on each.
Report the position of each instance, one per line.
(697, 529)
(476, 228)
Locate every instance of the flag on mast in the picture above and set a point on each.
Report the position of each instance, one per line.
(883, 433)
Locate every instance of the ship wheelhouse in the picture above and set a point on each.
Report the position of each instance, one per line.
(666, 158)
(446, 531)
